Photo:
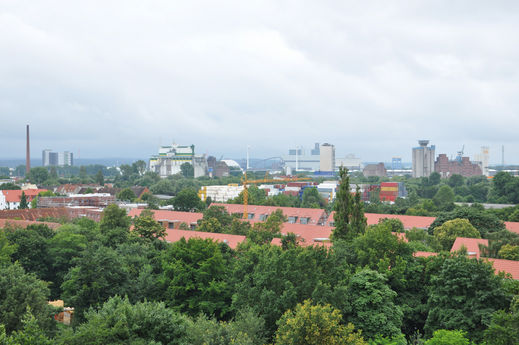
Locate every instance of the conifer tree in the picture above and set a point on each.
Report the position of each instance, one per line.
(23, 202)
(349, 214)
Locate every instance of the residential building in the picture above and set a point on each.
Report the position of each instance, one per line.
(423, 159)
(50, 158)
(11, 198)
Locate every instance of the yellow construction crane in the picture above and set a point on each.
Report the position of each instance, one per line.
(266, 179)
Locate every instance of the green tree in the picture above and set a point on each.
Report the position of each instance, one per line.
(504, 327)
(118, 321)
(312, 198)
(343, 209)
(19, 290)
(450, 230)
(195, 277)
(139, 167)
(446, 337)
(99, 178)
(246, 329)
(96, 276)
(31, 334)
(463, 295)
(444, 198)
(509, 252)
(9, 186)
(484, 221)
(114, 225)
(370, 305)
(32, 250)
(63, 248)
(126, 195)
(187, 170)
(6, 249)
(23, 202)
(38, 175)
(315, 325)
(456, 180)
(188, 201)
(146, 226)
(82, 173)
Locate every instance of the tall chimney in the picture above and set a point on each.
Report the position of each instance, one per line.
(28, 155)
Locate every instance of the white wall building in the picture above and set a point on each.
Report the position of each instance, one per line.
(327, 158)
(299, 159)
(482, 159)
(170, 159)
(219, 193)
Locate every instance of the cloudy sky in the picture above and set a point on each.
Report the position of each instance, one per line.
(119, 78)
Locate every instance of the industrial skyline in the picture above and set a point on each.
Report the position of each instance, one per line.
(271, 75)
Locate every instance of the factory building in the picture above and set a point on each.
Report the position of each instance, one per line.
(423, 159)
(170, 159)
(378, 170)
(349, 161)
(299, 159)
(482, 159)
(462, 166)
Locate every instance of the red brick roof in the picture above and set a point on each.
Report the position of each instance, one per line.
(316, 215)
(512, 226)
(170, 216)
(507, 266)
(308, 234)
(408, 221)
(471, 244)
(25, 223)
(420, 254)
(177, 235)
(16, 195)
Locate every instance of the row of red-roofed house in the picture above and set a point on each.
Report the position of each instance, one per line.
(308, 234)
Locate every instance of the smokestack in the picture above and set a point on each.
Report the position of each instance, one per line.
(28, 154)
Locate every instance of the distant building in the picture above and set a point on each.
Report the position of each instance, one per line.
(50, 158)
(298, 159)
(327, 157)
(423, 159)
(217, 168)
(465, 167)
(396, 163)
(378, 170)
(349, 161)
(170, 159)
(482, 159)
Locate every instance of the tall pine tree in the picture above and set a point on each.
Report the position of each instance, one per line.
(23, 202)
(349, 214)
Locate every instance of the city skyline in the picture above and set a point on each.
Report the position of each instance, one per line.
(370, 79)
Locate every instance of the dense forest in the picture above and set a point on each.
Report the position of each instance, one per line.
(129, 286)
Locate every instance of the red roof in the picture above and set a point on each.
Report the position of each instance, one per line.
(308, 234)
(408, 221)
(177, 235)
(25, 223)
(316, 215)
(512, 226)
(170, 216)
(471, 244)
(420, 254)
(507, 266)
(16, 195)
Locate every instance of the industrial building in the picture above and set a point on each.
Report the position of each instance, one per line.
(50, 158)
(378, 170)
(298, 159)
(219, 193)
(327, 158)
(349, 161)
(170, 159)
(423, 159)
(461, 166)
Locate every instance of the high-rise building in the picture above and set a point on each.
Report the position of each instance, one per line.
(327, 157)
(50, 158)
(299, 160)
(45, 157)
(423, 159)
(396, 163)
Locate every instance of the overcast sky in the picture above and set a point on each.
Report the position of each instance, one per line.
(119, 78)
